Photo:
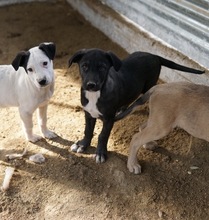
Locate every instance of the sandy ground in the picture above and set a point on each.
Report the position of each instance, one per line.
(73, 186)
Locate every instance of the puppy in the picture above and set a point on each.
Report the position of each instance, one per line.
(29, 84)
(180, 104)
(109, 85)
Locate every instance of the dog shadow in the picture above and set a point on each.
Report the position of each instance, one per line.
(65, 105)
(58, 145)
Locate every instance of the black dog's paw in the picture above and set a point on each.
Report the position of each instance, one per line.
(101, 157)
(80, 146)
(77, 148)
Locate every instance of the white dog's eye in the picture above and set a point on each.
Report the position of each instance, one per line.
(30, 69)
(45, 63)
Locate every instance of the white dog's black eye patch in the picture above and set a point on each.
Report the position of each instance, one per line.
(21, 60)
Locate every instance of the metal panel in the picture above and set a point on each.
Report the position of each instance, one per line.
(184, 24)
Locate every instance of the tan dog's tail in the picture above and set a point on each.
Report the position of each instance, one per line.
(131, 108)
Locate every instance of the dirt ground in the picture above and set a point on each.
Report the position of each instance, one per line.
(174, 182)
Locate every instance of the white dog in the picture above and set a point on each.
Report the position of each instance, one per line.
(29, 84)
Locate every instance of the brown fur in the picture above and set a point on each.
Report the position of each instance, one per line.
(181, 104)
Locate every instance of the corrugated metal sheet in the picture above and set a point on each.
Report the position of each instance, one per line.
(184, 24)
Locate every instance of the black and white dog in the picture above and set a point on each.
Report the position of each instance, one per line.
(29, 84)
(109, 85)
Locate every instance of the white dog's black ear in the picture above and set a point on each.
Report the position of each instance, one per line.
(76, 57)
(21, 60)
(116, 62)
(49, 49)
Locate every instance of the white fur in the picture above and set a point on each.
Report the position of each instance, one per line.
(91, 107)
(21, 89)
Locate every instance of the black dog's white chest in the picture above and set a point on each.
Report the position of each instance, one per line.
(91, 107)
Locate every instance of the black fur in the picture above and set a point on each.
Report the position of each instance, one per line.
(21, 60)
(49, 49)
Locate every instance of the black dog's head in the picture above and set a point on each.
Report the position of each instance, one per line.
(94, 65)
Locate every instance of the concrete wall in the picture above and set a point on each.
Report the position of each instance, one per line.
(182, 24)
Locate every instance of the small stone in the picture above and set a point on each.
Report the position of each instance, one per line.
(160, 214)
(194, 168)
(37, 158)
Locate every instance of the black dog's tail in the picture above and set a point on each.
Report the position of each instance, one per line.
(131, 108)
(172, 65)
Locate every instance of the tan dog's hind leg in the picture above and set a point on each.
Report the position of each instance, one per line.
(153, 131)
(132, 163)
(150, 145)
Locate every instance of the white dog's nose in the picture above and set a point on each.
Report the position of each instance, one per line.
(42, 82)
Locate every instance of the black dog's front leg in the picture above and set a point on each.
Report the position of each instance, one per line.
(81, 145)
(101, 153)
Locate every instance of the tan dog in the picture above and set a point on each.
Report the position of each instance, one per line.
(181, 104)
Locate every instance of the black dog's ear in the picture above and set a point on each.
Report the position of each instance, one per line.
(76, 57)
(21, 60)
(49, 49)
(116, 62)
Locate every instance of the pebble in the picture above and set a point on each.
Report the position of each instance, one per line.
(194, 167)
(37, 158)
(160, 214)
